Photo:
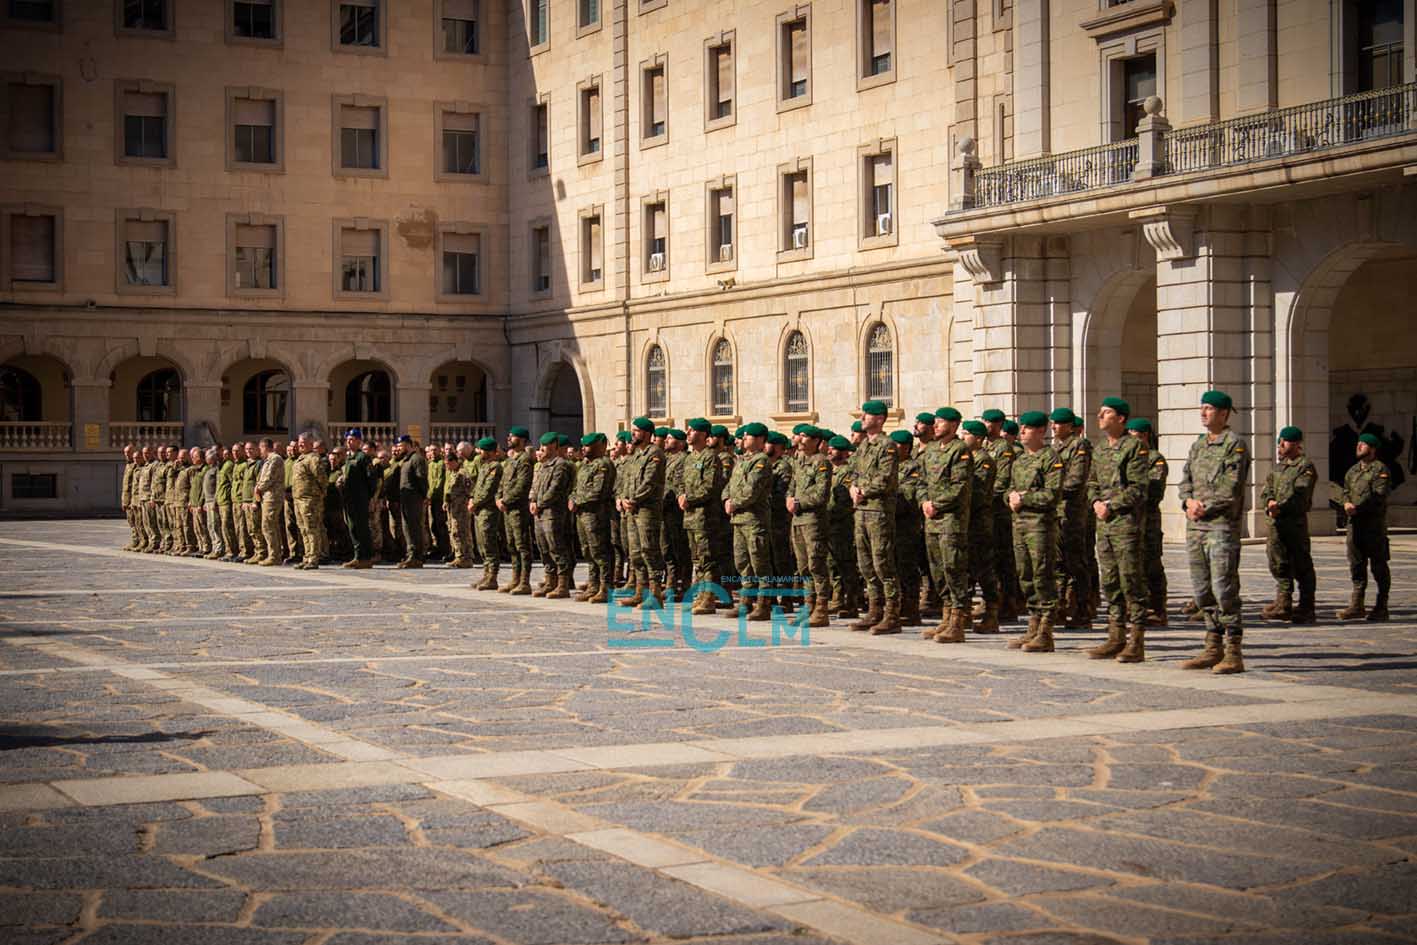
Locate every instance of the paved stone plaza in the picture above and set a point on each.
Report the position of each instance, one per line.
(199, 753)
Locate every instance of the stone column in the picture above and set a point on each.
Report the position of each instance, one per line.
(412, 410)
(1031, 99)
(90, 410)
(310, 408)
(1200, 65)
(203, 415)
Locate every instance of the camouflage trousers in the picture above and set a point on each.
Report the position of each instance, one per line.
(1156, 588)
(1121, 569)
(1367, 548)
(646, 553)
(1074, 551)
(216, 538)
(784, 561)
(460, 531)
(947, 545)
(841, 558)
(1213, 551)
(593, 527)
(227, 515)
(180, 524)
(293, 539)
(517, 531)
(551, 540)
(875, 553)
(272, 528)
(752, 552)
(720, 532)
(617, 543)
(490, 531)
(911, 555)
(310, 518)
(1004, 566)
(983, 563)
(1035, 554)
(675, 542)
(254, 532)
(809, 546)
(1290, 558)
(700, 538)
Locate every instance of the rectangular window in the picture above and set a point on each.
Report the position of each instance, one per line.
(877, 37)
(254, 131)
(656, 240)
(1380, 45)
(656, 103)
(797, 214)
(880, 178)
(33, 249)
(1138, 83)
(461, 145)
(359, 261)
(359, 23)
(253, 19)
(32, 11)
(591, 260)
(540, 137)
(720, 82)
(541, 259)
(145, 253)
(796, 58)
(255, 262)
(34, 486)
(145, 125)
(590, 120)
(721, 208)
(459, 25)
(538, 27)
(359, 137)
(462, 254)
(144, 15)
(33, 119)
(587, 13)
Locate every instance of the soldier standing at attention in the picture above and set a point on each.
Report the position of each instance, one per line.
(1075, 581)
(1212, 493)
(841, 526)
(877, 469)
(270, 496)
(1366, 486)
(1288, 492)
(702, 489)
(1035, 484)
(807, 504)
(720, 529)
(437, 519)
(619, 454)
(512, 498)
(672, 535)
(550, 493)
(179, 491)
(644, 496)
(291, 528)
(1002, 449)
(982, 569)
(216, 538)
(910, 552)
(308, 485)
(1116, 487)
(457, 491)
(1156, 475)
(413, 500)
(358, 493)
(125, 495)
(746, 502)
(591, 502)
(142, 494)
(250, 507)
(487, 519)
(784, 565)
(930, 600)
(949, 481)
(226, 502)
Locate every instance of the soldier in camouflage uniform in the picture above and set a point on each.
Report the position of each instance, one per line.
(270, 496)
(216, 540)
(142, 496)
(1366, 487)
(619, 456)
(701, 490)
(747, 499)
(673, 539)
(179, 490)
(841, 526)
(125, 495)
(1212, 494)
(946, 501)
(457, 493)
(512, 497)
(308, 485)
(1116, 487)
(488, 521)
(930, 600)
(1074, 578)
(1156, 476)
(250, 508)
(550, 493)
(877, 469)
(910, 552)
(720, 528)
(982, 569)
(592, 502)
(807, 502)
(1035, 485)
(643, 499)
(1002, 451)
(1287, 495)
(784, 564)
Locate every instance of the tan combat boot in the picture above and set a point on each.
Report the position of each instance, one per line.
(890, 618)
(1042, 641)
(990, 622)
(1379, 612)
(523, 588)
(872, 617)
(965, 621)
(947, 616)
(1115, 643)
(654, 597)
(954, 630)
(602, 595)
(762, 610)
(1135, 650)
(1232, 662)
(705, 604)
(513, 583)
(1355, 609)
(562, 589)
(591, 589)
(821, 615)
(1157, 618)
(1280, 608)
(1208, 657)
(637, 598)
(548, 581)
(1016, 643)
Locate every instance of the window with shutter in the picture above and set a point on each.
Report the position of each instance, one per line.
(359, 137)
(591, 249)
(797, 204)
(538, 22)
(462, 253)
(658, 230)
(253, 19)
(880, 37)
(145, 125)
(723, 229)
(591, 120)
(541, 272)
(459, 24)
(32, 119)
(359, 251)
(540, 137)
(145, 253)
(656, 113)
(656, 382)
(721, 75)
(589, 13)
(461, 145)
(797, 59)
(882, 183)
(254, 132)
(32, 248)
(255, 263)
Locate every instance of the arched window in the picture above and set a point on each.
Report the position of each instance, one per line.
(266, 403)
(880, 364)
(721, 380)
(657, 382)
(160, 397)
(21, 399)
(794, 373)
(369, 398)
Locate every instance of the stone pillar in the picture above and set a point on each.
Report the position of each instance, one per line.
(962, 175)
(203, 416)
(1258, 61)
(412, 410)
(1031, 99)
(1200, 62)
(89, 411)
(1151, 141)
(310, 408)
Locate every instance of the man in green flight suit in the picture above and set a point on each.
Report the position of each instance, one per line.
(1116, 487)
(1366, 487)
(1035, 485)
(1287, 495)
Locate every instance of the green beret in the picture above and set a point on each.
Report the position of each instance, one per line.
(1011, 427)
(563, 439)
(801, 428)
(1292, 434)
(1218, 399)
(678, 434)
(840, 443)
(779, 439)
(661, 431)
(903, 437)
(1118, 404)
(923, 417)
(550, 439)
(1371, 440)
(753, 429)
(590, 439)
(623, 436)
(812, 433)
(1139, 424)
(487, 443)
(976, 427)
(856, 427)
(993, 415)
(1059, 415)
(718, 429)
(700, 424)
(643, 423)
(876, 408)
(1034, 418)
(739, 432)
(948, 413)
(521, 432)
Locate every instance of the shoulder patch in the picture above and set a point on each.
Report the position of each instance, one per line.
(1239, 449)
(1058, 465)
(823, 467)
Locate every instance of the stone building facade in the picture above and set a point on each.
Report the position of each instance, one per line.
(463, 214)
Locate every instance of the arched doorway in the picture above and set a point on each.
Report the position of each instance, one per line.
(362, 394)
(1118, 347)
(565, 409)
(257, 399)
(459, 407)
(146, 403)
(21, 396)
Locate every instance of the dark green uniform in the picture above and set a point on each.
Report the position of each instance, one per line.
(949, 485)
(645, 488)
(1118, 477)
(358, 490)
(911, 551)
(1038, 478)
(750, 490)
(1215, 475)
(550, 488)
(594, 495)
(1003, 453)
(784, 564)
(514, 491)
(1290, 485)
(488, 520)
(811, 487)
(673, 539)
(841, 547)
(1367, 485)
(703, 480)
(877, 470)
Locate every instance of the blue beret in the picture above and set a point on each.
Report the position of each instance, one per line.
(356, 433)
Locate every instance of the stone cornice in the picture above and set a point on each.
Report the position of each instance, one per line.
(1127, 16)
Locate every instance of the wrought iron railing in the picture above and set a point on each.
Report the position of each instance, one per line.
(37, 436)
(1316, 126)
(1057, 174)
(122, 433)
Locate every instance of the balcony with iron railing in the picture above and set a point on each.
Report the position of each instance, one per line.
(1159, 152)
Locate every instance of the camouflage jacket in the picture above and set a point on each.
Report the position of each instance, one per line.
(982, 492)
(1038, 478)
(811, 487)
(1004, 454)
(839, 508)
(1215, 474)
(645, 487)
(595, 485)
(515, 485)
(750, 489)
(1366, 485)
(457, 487)
(877, 469)
(704, 478)
(551, 485)
(1076, 455)
(488, 487)
(1290, 485)
(1156, 475)
(910, 492)
(1118, 476)
(949, 474)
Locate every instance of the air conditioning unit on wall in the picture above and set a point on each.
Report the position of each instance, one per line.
(656, 262)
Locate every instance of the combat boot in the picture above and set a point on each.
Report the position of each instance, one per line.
(910, 612)
(1116, 641)
(1156, 618)
(1280, 608)
(637, 598)
(1303, 614)
(820, 615)
(954, 630)
(654, 597)
(1355, 609)
(269, 562)
(602, 595)
(990, 621)
(562, 589)
(1232, 662)
(1208, 657)
(591, 589)
(548, 583)
(1379, 612)
(946, 620)
(872, 617)
(704, 605)
(930, 602)
(1042, 641)
(364, 565)
(890, 618)
(1135, 651)
(1016, 643)
(1190, 608)
(762, 610)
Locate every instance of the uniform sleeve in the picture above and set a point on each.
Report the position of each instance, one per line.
(950, 491)
(1075, 473)
(1187, 488)
(1228, 483)
(1044, 497)
(881, 477)
(649, 485)
(1302, 495)
(1269, 492)
(563, 477)
(817, 489)
(1094, 485)
(1157, 475)
(757, 482)
(1124, 499)
(1003, 471)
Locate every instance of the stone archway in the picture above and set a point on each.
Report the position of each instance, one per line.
(564, 404)
(1116, 350)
